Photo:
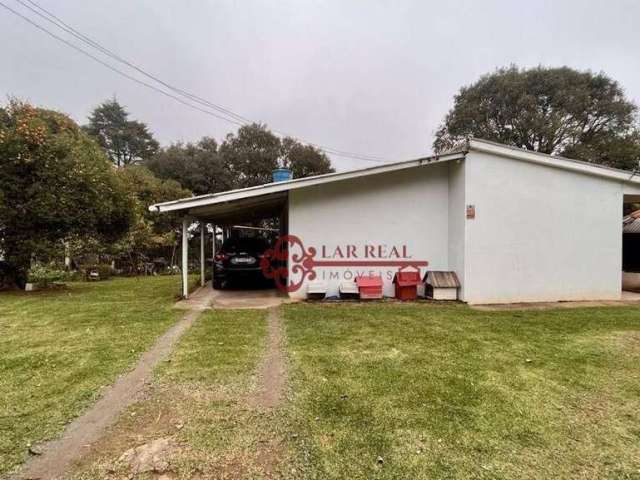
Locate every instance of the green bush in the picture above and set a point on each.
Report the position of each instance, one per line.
(103, 270)
(44, 275)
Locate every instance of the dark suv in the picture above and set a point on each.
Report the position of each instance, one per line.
(239, 259)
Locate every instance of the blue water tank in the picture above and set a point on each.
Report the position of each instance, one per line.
(282, 174)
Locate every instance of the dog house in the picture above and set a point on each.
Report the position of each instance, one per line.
(441, 285)
(406, 284)
(370, 287)
(317, 290)
(348, 290)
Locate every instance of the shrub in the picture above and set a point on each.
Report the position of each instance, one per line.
(103, 270)
(45, 275)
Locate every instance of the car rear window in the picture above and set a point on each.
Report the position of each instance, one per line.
(258, 245)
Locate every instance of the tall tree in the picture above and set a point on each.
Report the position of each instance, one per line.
(558, 111)
(244, 159)
(198, 167)
(254, 152)
(125, 141)
(150, 234)
(54, 182)
(304, 160)
(251, 154)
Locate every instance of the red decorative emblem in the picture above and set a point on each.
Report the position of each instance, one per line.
(274, 263)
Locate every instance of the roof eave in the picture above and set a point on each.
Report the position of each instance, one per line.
(269, 188)
(486, 146)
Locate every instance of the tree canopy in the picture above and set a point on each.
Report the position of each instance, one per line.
(244, 159)
(558, 111)
(251, 154)
(304, 160)
(150, 233)
(83, 187)
(125, 141)
(54, 182)
(196, 166)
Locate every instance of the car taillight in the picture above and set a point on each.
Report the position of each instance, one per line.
(220, 257)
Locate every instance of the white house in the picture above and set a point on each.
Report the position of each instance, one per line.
(514, 225)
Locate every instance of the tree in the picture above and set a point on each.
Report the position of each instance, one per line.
(54, 182)
(198, 167)
(125, 141)
(150, 234)
(244, 159)
(304, 160)
(558, 111)
(254, 152)
(251, 154)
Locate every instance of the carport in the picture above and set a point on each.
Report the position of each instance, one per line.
(225, 209)
(220, 212)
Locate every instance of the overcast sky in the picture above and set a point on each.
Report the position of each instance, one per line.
(373, 77)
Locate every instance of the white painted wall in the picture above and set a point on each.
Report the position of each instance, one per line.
(409, 207)
(457, 213)
(540, 233)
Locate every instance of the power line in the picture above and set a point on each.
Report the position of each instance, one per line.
(110, 67)
(222, 112)
(69, 29)
(52, 18)
(58, 22)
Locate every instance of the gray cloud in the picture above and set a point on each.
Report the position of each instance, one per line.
(374, 77)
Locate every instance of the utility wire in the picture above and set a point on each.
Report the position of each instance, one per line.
(79, 35)
(110, 67)
(58, 22)
(223, 113)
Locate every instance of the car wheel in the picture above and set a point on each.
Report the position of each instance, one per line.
(217, 284)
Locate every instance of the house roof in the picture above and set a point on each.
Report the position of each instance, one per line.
(442, 279)
(407, 278)
(516, 153)
(271, 195)
(279, 187)
(369, 281)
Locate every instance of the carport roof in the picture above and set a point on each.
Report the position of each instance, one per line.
(270, 194)
(265, 199)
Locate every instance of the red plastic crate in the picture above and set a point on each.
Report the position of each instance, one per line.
(370, 287)
(406, 283)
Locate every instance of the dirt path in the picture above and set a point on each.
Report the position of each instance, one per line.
(273, 369)
(57, 455)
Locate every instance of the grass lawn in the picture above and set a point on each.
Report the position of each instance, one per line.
(450, 392)
(199, 401)
(58, 348)
(375, 391)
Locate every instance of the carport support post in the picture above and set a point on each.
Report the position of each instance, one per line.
(203, 226)
(185, 257)
(213, 253)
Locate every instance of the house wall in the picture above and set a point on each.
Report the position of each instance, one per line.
(540, 233)
(457, 209)
(408, 210)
